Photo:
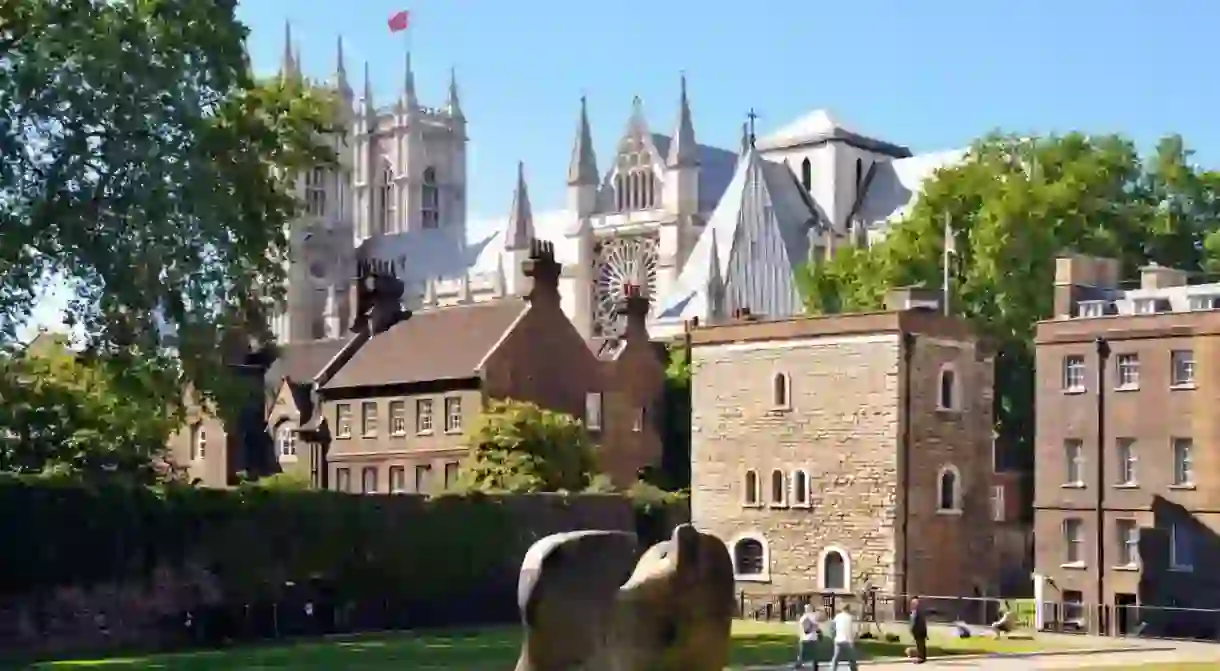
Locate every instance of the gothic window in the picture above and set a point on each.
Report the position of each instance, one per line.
(800, 488)
(618, 262)
(948, 397)
(385, 199)
(315, 191)
(807, 174)
(635, 185)
(781, 391)
(430, 209)
(778, 490)
(751, 489)
(949, 490)
(619, 202)
(749, 557)
(835, 570)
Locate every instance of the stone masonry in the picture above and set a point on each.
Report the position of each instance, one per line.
(842, 430)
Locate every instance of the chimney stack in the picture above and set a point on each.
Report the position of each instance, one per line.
(1082, 278)
(542, 268)
(634, 306)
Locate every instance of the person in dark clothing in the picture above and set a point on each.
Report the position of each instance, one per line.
(919, 632)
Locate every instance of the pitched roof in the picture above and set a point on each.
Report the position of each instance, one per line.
(301, 361)
(445, 343)
(749, 250)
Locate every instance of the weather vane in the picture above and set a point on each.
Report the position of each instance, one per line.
(752, 116)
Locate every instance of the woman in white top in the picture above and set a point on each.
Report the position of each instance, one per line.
(845, 640)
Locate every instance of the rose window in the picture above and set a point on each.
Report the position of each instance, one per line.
(617, 263)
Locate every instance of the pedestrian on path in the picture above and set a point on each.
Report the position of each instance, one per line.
(810, 634)
(845, 640)
(919, 632)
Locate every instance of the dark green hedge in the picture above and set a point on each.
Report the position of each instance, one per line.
(254, 541)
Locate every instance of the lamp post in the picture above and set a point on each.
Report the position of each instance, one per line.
(1103, 358)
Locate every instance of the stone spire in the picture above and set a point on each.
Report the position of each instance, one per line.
(745, 139)
(520, 228)
(409, 100)
(583, 168)
(684, 152)
(345, 89)
(289, 67)
(454, 104)
(367, 100)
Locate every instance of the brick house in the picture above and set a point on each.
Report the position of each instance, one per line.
(1127, 433)
(387, 411)
(843, 452)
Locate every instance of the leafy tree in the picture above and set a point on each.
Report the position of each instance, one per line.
(73, 416)
(1013, 205)
(142, 165)
(520, 447)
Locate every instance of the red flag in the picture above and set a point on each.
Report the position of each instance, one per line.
(400, 21)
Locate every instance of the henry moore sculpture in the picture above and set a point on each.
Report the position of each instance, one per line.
(588, 605)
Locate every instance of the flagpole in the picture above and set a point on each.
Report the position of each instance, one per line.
(945, 263)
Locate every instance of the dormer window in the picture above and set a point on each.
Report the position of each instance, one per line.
(1205, 302)
(430, 197)
(315, 191)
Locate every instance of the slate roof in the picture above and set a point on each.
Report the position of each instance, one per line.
(444, 343)
(749, 251)
(301, 361)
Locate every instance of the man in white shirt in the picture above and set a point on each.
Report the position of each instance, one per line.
(845, 640)
(810, 634)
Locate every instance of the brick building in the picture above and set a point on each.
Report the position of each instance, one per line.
(1127, 431)
(842, 452)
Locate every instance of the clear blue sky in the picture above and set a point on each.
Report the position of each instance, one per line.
(930, 75)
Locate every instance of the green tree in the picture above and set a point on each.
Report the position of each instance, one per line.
(1013, 205)
(71, 415)
(144, 167)
(520, 447)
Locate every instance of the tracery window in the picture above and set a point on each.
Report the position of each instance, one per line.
(430, 208)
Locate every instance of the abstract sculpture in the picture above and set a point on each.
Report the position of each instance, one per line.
(585, 608)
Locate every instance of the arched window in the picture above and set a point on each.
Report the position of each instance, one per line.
(781, 391)
(800, 488)
(753, 489)
(834, 571)
(315, 191)
(778, 490)
(620, 193)
(385, 199)
(949, 490)
(430, 197)
(286, 441)
(947, 394)
(750, 557)
(807, 175)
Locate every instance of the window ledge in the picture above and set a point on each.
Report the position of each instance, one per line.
(948, 411)
(343, 436)
(1072, 485)
(1076, 390)
(1126, 567)
(779, 410)
(1182, 569)
(804, 505)
(1185, 487)
(398, 434)
(1074, 565)
(1127, 485)
(949, 512)
(751, 505)
(453, 432)
(427, 432)
(1186, 386)
(1127, 387)
(778, 504)
(844, 592)
(753, 577)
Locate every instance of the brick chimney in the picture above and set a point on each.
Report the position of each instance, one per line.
(376, 297)
(541, 267)
(634, 306)
(1082, 278)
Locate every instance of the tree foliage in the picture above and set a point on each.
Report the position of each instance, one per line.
(72, 416)
(143, 166)
(1013, 205)
(522, 448)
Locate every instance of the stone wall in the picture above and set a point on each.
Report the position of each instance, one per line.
(148, 611)
(841, 428)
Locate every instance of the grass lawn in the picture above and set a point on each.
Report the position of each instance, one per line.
(754, 643)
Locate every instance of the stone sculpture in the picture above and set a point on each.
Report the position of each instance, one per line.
(587, 605)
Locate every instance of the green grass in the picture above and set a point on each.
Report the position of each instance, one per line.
(754, 643)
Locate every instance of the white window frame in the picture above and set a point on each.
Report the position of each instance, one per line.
(368, 419)
(781, 391)
(955, 389)
(1073, 544)
(747, 485)
(1182, 369)
(401, 488)
(398, 418)
(1075, 371)
(424, 424)
(198, 439)
(286, 442)
(957, 490)
(1183, 461)
(1127, 371)
(1128, 462)
(798, 501)
(765, 574)
(826, 552)
(998, 508)
(453, 414)
(593, 411)
(1074, 461)
(343, 420)
(1127, 533)
(1177, 563)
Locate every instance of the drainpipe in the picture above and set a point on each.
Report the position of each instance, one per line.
(1103, 357)
(908, 350)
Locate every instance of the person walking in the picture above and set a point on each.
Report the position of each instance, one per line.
(810, 632)
(919, 632)
(845, 640)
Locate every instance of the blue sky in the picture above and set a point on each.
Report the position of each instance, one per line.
(931, 75)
